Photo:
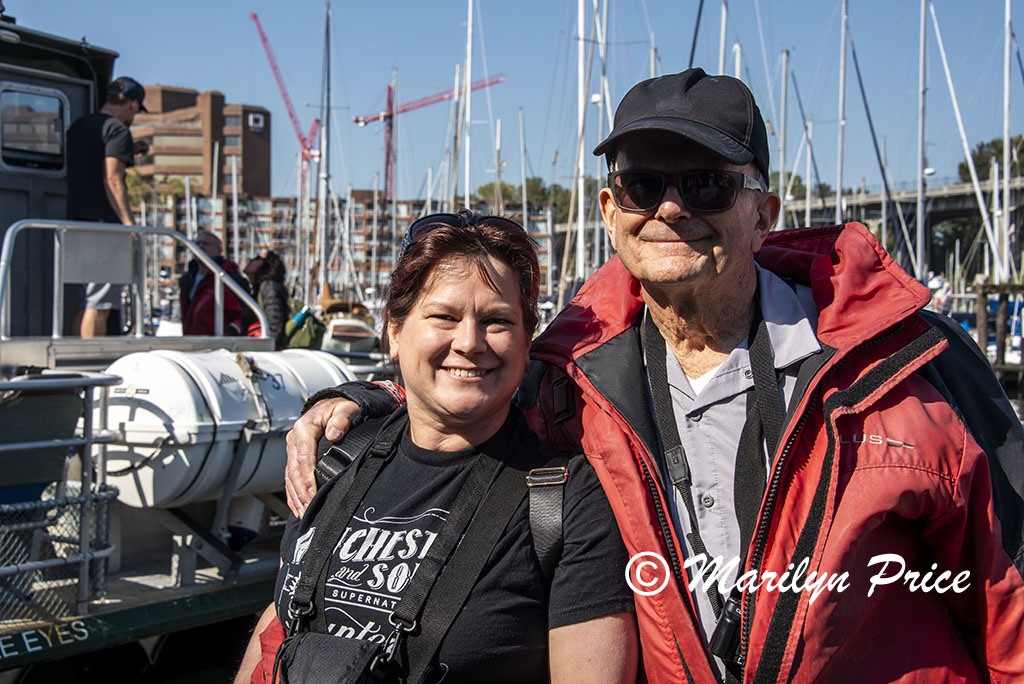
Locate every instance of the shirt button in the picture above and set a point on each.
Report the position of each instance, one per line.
(707, 501)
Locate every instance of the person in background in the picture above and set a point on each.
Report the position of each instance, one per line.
(267, 274)
(196, 291)
(460, 314)
(100, 149)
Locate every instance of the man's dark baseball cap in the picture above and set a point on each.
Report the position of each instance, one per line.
(130, 88)
(717, 112)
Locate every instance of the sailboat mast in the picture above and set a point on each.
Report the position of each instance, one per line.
(348, 270)
(601, 249)
(189, 229)
(581, 99)
(922, 256)
(986, 223)
(721, 37)
(884, 235)
(654, 54)
(498, 200)
(295, 262)
(307, 237)
(391, 195)
(522, 173)
(325, 162)
(782, 140)
(807, 176)
(374, 265)
(1005, 231)
(430, 191)
(842, 117)
(234, 212)
(468, 93)
(454, 169)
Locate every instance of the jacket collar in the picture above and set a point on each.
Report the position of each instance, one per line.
(845, 267)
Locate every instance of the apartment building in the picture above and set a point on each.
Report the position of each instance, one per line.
(196, 135)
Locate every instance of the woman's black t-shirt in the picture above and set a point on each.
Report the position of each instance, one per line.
(501, 633)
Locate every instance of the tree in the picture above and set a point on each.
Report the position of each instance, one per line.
(799, 190)
(795, 182)
(984, 152)
(139, 188)
(539, 194)
(174, 186)
(559, 196)
(536, 191)
(485, 193)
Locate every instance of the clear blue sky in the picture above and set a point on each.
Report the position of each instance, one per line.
(212, 44)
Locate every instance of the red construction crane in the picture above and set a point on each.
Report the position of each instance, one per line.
(306, 142)
(391, 112)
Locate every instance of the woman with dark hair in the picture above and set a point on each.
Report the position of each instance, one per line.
(267, 273)
(426, 559)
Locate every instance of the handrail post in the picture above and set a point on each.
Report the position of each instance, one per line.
(85, 517)
(58, 284)
(140, 283)
(218, 305)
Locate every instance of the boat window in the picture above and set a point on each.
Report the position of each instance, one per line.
(32, 126)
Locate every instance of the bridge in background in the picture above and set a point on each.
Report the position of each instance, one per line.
(942, 203)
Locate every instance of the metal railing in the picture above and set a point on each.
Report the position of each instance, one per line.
(74, 524)
(137, 233)
(378, 366)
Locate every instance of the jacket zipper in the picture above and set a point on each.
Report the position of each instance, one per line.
(666, 529)
(760, 539)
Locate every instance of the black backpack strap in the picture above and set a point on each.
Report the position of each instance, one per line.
(546, 487)
(452, 588)
(334, 457)
(339, 506)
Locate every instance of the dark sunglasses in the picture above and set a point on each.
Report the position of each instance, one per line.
(704, 190)
(427, 224)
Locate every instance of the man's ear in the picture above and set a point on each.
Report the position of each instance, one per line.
(609, 212)
(768, 206)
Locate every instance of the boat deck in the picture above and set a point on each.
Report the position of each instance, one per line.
(143, 603)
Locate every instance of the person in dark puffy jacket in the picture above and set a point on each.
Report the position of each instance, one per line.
(266, 273)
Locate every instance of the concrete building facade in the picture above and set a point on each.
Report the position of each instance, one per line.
(185, 129)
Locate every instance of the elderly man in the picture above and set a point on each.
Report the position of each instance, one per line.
(196, 291)
(774, 414)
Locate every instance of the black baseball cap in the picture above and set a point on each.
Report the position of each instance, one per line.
(717, 112)
(130, 88)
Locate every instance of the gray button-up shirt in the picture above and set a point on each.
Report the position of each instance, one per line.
(710, 423)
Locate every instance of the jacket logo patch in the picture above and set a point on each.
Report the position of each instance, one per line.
(877, 440)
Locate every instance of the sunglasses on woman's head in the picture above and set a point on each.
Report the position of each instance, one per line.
(427, 224)
(704, 190)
